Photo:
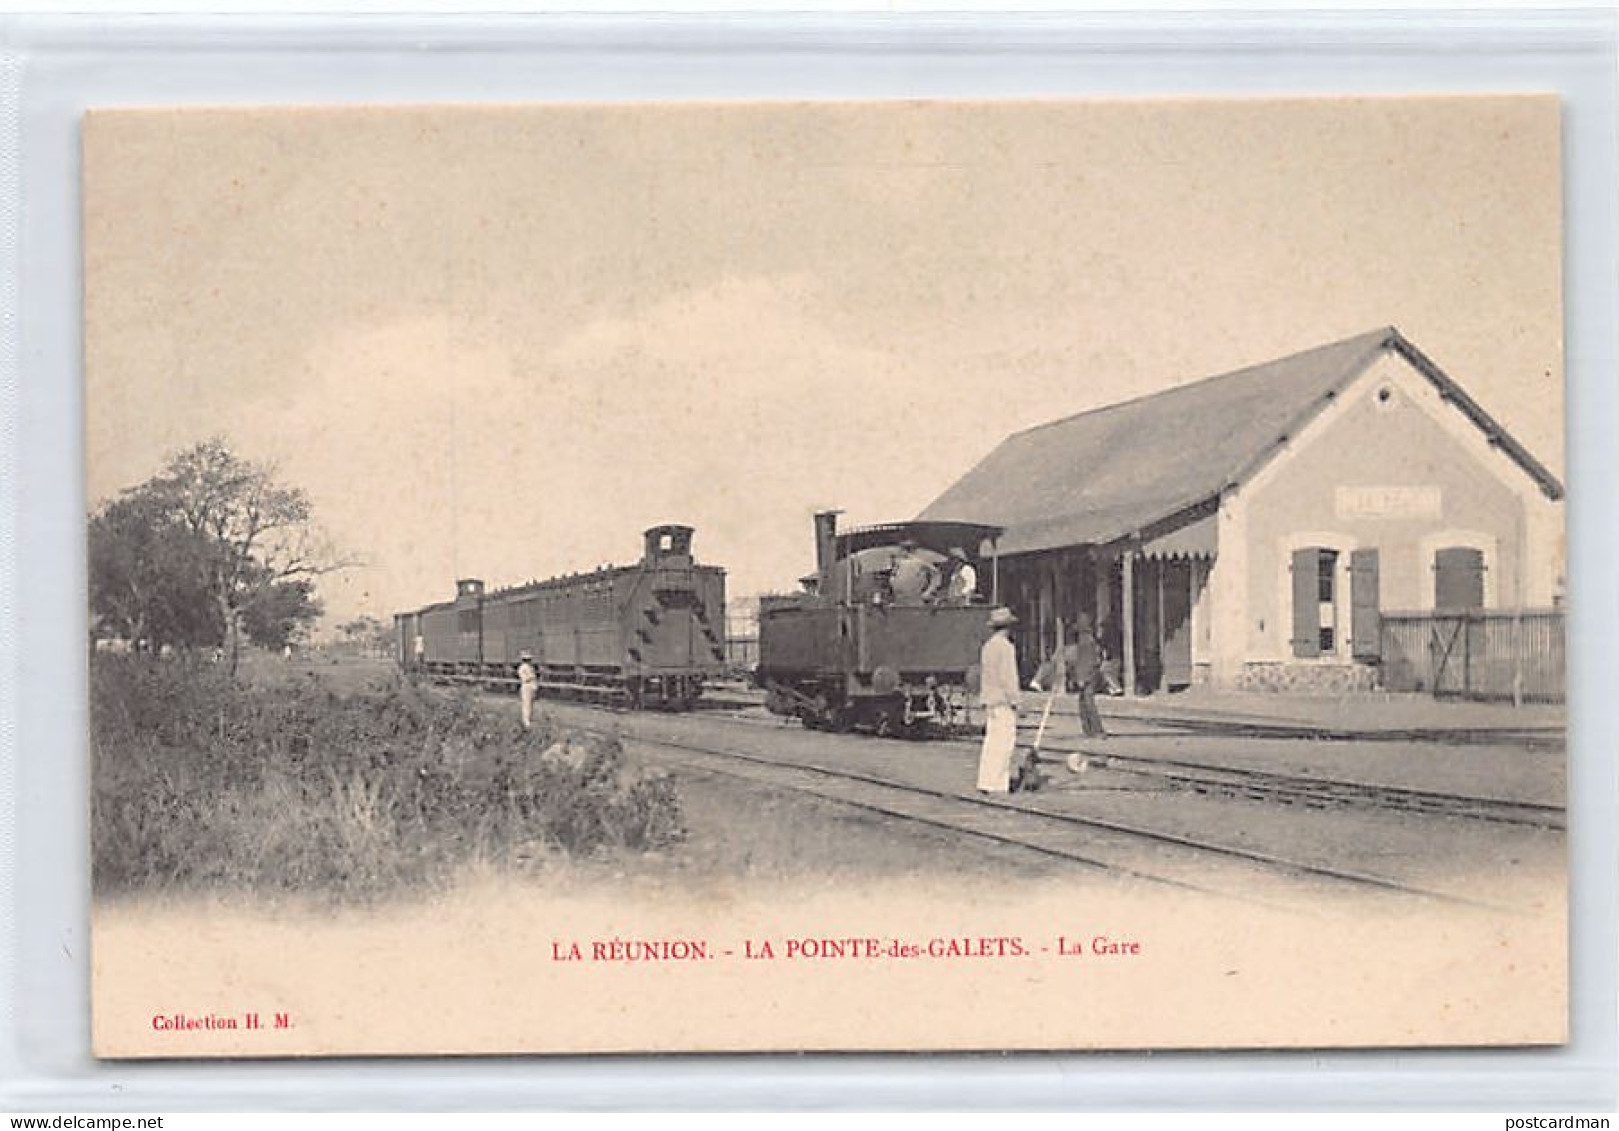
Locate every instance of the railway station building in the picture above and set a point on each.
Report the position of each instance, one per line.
(1259, 530)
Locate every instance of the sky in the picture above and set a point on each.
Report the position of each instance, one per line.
(501, 341)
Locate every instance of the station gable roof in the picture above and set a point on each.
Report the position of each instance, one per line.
(1112, 472)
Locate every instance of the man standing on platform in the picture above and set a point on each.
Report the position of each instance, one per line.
(528, 685)
(1086, 672)
(1081, 671)
(998, 690)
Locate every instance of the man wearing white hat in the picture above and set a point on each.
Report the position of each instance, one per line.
(528, 685)
(998, 690)
(963, 577)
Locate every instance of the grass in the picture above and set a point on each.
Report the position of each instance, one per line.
(202, 783)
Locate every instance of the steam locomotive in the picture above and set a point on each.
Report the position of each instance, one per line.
(886, 634)
(647, 635)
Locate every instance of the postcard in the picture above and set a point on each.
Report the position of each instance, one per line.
(775, 576)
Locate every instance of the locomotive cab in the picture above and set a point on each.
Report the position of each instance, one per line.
(887, 636)
(907, 563)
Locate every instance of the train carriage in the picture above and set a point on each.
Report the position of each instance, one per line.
(647, 634)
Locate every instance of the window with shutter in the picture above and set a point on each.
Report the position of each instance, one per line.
(1307, 602)
(1458, 578)
(1327, 599)
(1365, 606)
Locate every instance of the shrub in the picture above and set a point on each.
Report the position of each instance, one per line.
(202, 782)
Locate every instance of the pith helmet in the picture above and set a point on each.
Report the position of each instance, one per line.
(1002, 617)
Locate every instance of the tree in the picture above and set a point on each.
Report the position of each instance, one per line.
(220, 536)
(282, 615)
(149, 575)
(366, 633)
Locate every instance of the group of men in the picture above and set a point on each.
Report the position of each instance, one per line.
(1078, 665)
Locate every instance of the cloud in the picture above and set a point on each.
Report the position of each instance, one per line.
(439, 447)
(733, 408)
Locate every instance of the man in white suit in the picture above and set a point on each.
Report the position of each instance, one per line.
(528, 685)
(998, 690)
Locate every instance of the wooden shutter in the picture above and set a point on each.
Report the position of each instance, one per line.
(1458, 578)
(1365, 617)
(1306, 603)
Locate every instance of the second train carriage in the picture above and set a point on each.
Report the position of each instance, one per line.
(882, 639)
(648, 634)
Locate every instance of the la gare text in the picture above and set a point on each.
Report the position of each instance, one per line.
(819, 948)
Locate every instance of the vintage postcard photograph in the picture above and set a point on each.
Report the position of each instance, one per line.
(692, 577)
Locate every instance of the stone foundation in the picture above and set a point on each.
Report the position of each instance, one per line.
(1308, 679)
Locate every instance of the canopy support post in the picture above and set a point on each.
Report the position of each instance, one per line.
(1129, 619)
(995, 572)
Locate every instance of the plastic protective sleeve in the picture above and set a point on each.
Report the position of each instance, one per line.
(52, 68)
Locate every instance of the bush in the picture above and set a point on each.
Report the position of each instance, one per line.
(199, 782)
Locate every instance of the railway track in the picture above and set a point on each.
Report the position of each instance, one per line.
(1447, 736)
(1178, 861)
(1243, 783)
(1127, 852)
(729, 698)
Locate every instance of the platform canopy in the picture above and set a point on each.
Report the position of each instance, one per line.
(1196, 538)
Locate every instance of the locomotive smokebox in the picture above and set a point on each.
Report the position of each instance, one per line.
(826, 540)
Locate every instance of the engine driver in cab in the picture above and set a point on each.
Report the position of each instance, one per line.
(963, 584)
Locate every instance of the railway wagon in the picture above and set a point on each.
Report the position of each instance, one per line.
(881, 639)
(647, 634)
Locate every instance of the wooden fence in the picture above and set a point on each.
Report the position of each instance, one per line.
(1475, 653)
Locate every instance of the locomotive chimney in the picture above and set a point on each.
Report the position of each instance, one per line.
(826, 540)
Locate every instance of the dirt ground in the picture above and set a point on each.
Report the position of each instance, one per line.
(747, 834)
(738, 832)
(488, 963)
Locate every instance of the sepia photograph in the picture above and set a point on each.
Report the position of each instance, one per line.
(840, 576)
